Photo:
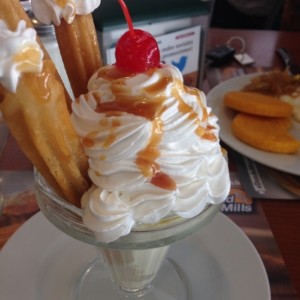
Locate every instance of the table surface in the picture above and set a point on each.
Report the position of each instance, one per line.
(283, 216)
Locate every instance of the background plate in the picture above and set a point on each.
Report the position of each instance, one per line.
(289, 163)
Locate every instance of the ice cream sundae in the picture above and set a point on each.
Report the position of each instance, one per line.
(152, 143)
(138, 152)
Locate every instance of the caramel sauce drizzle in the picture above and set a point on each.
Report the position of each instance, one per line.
(151, 110)
(146, 160)
(41, 83)
(208, 134)
(112, 135)
(28, 58)
(88, 142)
(64, 3)
(61, 3)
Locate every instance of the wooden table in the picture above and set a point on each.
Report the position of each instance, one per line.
(260, 44)
(283, 216)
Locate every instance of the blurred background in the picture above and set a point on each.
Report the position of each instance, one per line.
(169, 20)
(180, 27)
(256, 14)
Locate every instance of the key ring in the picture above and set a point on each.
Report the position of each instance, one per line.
(237, 38)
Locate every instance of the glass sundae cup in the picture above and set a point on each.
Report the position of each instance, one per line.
(135, 263)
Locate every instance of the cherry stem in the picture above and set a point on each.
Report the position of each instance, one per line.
(127, 16)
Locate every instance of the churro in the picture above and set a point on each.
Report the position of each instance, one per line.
(76, 36)
(79, 50)
(34, 107)
(11, 12)
(40, 123)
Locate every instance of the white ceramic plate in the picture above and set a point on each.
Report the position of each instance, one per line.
(283, 162)
(40, 262)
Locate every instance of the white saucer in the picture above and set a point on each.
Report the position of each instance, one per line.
(41, 263)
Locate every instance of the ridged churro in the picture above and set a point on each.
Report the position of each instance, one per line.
(76, 36)
(79, 50)
(34, 107)
(11, 12)
(40, 123)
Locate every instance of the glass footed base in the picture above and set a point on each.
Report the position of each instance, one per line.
(170, 283)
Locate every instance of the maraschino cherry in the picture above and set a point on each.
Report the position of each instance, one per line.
(137, 50)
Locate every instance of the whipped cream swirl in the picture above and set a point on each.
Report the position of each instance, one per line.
(52, 11)
(153, 150)
(19, 53)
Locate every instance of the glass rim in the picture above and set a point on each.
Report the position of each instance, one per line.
(145, 235)
(49, 191)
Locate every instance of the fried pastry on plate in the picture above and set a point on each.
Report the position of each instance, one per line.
(257, 104)
(279, 84)
(269, 134)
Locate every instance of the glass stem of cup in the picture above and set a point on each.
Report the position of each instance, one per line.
(132, 270)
